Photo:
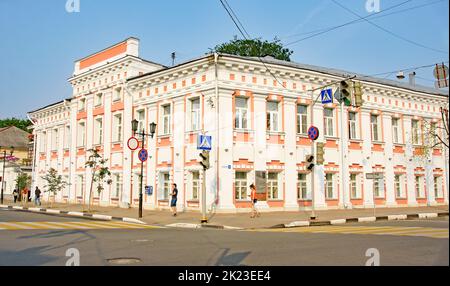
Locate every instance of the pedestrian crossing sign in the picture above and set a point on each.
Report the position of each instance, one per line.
(204, 142)
(327, 96)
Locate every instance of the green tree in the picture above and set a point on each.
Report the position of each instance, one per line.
(255, 48)
(55, 183)
(19, 123)
(23, 181)
(100, 173)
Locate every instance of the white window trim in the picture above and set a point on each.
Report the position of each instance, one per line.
(326, 119)
(356, 126)
(239, 118)
(300, 120)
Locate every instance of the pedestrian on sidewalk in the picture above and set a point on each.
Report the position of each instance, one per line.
(254, 201)
(24, 196)
(15, 195)
(173, 202)
(37, 196)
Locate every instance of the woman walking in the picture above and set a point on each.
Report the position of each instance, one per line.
(254, 201)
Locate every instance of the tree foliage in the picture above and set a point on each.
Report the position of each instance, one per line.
(255, 48)
(100, 172)
(23, 181)
(19, 123)
(55, 183)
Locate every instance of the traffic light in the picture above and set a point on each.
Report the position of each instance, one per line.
(309, 162)
(319, 153)
(346, 91)
(205, 159)
(358, 93)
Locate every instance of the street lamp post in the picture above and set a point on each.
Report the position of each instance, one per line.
(4, 167)
(152, 128)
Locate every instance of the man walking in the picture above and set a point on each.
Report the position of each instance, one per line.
(37, 196)
(173, 202)
(15, 195)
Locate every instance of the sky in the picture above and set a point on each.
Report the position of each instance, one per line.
(40, 40)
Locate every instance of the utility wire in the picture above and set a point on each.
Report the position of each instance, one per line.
(345, 24)
(388, 31)
(360, 20)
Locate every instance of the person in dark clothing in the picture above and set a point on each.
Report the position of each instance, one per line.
(16, 195)
(37, 196)
(173, 202)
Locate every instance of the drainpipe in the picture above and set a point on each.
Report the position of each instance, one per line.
(216, 58)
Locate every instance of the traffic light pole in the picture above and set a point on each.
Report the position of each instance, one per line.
(344, 196)
(313, 214)
(142, 177)
(204, 218)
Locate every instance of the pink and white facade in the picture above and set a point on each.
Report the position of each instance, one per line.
(257, 124)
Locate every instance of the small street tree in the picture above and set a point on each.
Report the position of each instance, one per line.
(23, 181)
(55, 183)
(100, 173)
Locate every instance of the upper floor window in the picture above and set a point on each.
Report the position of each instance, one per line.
(43, 142)
(67, 137)
(374, 127)
(241, 113)
(433, 134)
(415, 129)
(302, 119)
(166, 114)
(140, 117)
(396, 130)
(117, 135)
(55, 139)
(98, 138)
(98, 99)
(328, 118)
(81, 134)
(272, 116)
(117, 95)
(195, 114)
(82, 104)
(352, 125)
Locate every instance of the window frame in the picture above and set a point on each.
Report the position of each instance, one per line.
(353, 126)
(328, 122)
(241, 114)
(375, 127)
(273, 186)
(241, 186)
(302, 119)
(272, 117)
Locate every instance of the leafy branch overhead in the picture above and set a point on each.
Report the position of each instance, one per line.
(255, 48)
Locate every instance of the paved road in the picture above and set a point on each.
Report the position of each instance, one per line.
(426, 244)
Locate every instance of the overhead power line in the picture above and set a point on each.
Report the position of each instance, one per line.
(388, 31)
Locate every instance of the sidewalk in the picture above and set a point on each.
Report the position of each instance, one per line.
(239, 220)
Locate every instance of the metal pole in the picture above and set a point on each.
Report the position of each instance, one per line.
(142, 177)
(3, 176)
(204, 219)
(344, 197)
(313, 214)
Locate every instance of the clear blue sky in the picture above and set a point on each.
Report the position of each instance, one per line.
(40, 40)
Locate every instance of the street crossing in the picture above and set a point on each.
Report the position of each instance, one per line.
(366, 230)
(81, 225)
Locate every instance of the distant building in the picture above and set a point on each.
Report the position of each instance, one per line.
(259, 134)
(18, 140)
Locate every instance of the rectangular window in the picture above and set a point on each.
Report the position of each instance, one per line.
(378, 187)
(80, 186)
(352, 125)
(241, 113)
(67, 137)
(98, 99)
(82, 104)
(302, 119)
(272, 184)
(55, 139)
(328, 118)
(240, 186)
(82, 134)
(117, 94)
(67, 186)
(166, 119)
(98, 131)
(195, 185)
(355, 187)
(166, 185)
(43, 141)
(374, 127)
(329, 186)
(433, 134)
(195, 114)
(419, 187)
(302, 187)
(117, 135)
(395, 130)
(117, 185)
(272, 116)
(415, 129)
(398, 187)
(438, 187)
(140, 117)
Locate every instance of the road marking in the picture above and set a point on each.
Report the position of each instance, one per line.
(72, 225)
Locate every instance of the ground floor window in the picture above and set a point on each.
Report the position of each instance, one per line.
(117, 187)
(438, 187)
(80, 186)
(195, 184)
(67, 186)
(272, 185)
(165, 185)
(302, 187)
(240, 183)
(420, 193)
(398, 186)
(355, 186)
(378, 187)
(329, 186)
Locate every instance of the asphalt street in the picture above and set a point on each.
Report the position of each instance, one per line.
(39, 239)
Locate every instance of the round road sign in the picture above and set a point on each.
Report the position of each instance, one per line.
(143, 155)
(313, 133)
(133, 143)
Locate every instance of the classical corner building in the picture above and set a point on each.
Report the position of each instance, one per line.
(258, 121)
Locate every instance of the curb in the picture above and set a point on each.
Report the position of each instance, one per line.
(194, 225)
(360, 219)
(73, 214)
